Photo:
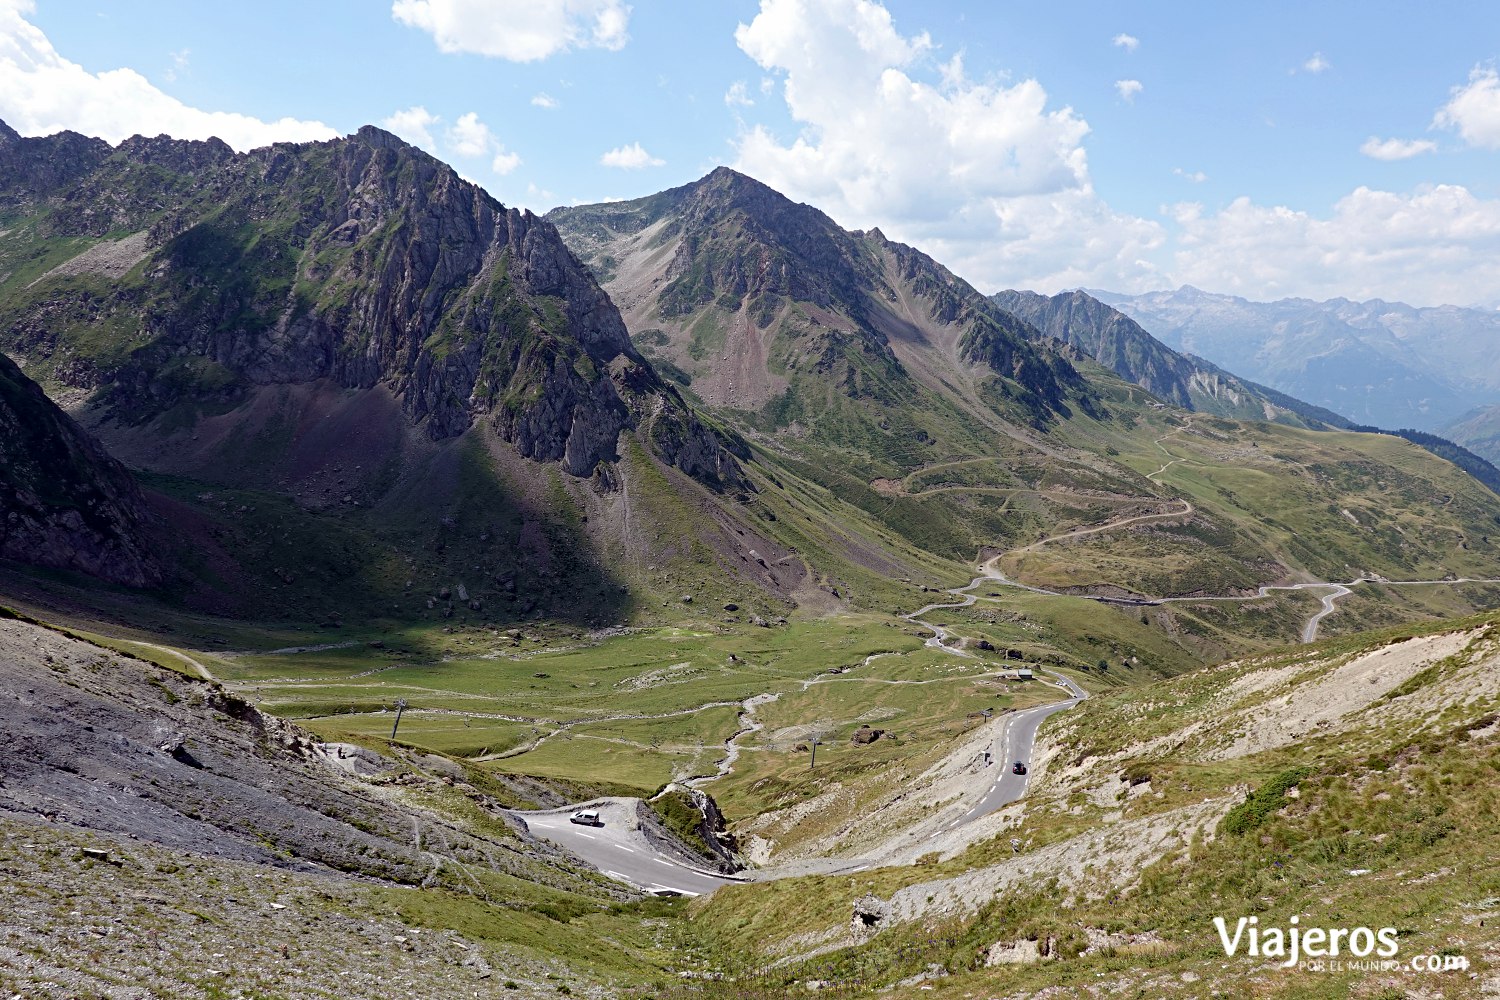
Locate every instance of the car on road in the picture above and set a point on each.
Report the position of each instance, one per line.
(1019, 767)
(586, 817)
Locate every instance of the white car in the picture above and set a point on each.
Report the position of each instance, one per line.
(586, 817)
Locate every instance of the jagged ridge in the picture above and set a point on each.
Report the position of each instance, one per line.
(361, 260)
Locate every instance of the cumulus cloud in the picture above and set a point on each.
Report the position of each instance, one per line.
(41, 93)
(1474, 109)
(631, 157)
(545, 101)
(470, 137)
(1434, 245)
(467, 138)
(1127, 42)
(1396, 149)
(415, 125)
(1315, 63)
(1127, 89)
(1196, 176)
(518, 30)
(985, 177)
(738, 95)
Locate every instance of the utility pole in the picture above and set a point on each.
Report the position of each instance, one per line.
(400, 707)
(812, 763)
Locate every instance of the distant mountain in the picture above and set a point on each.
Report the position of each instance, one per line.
(1381, 363)
(1478, 430)
(64, 503)
(1120, 344)
(765, 305)
(957, 424)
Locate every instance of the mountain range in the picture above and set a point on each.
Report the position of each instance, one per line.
(349, 517)
(1378, 363)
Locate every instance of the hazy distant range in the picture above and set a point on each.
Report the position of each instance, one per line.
(1387, 364)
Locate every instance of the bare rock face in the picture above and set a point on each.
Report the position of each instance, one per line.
(363, 261)
(64, 503)
(869, 913)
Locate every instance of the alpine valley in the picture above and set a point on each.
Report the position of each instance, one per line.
(877, 635)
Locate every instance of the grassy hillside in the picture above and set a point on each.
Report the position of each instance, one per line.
(1352, 783)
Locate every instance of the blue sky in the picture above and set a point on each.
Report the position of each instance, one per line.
(1265, 149)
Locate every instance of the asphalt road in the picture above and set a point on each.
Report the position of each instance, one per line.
(621, 851)
(1016, 744)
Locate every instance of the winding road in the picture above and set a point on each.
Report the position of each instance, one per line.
(621, 850)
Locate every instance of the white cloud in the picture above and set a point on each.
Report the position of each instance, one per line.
(982, 176)
(470, 137)
(41, 93)
(1474, 109)
(1127, 42)
(993, 182)
(415, 125)
(1127, 89)
(518, 30)
(738, 95)
(1396, 149)
(1196, 176)
(467, 138)
(544, 100)
(631, 157)
(180, 62)
(1434, 245)
(1315, 63)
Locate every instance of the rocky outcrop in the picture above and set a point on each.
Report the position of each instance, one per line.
(363, 261)
(64, 503)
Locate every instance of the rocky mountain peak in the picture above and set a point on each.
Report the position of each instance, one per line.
(361, 260)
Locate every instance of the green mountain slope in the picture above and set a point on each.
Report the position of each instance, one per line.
(962, 426)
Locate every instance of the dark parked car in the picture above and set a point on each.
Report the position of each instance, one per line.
(1019, 767)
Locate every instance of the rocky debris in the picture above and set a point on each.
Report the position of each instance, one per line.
(686, 598)
(869, 912)
(731, 606)
(64, 502)
(89, 741)
(1102, 941)
(986, 645)
(1019, 952)
(864, 736)
(153, 922)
